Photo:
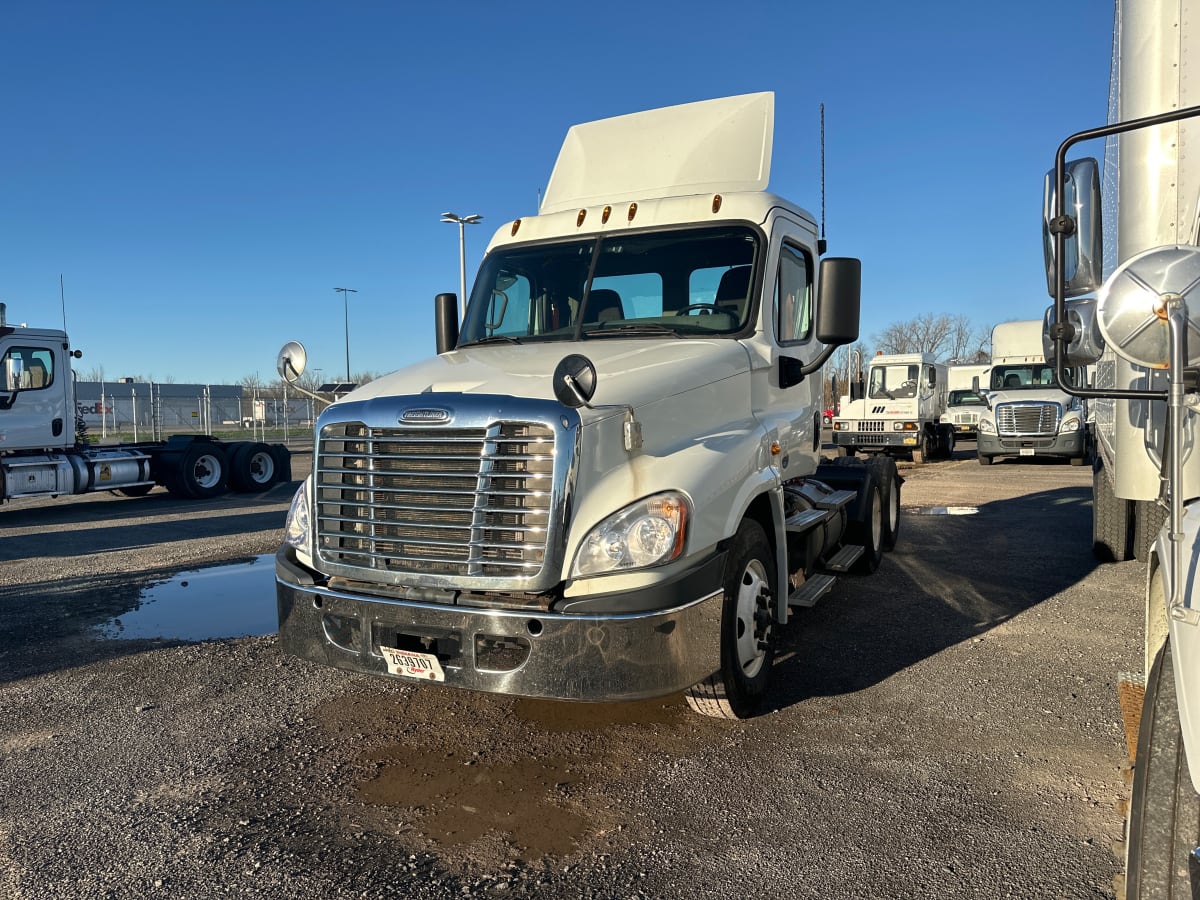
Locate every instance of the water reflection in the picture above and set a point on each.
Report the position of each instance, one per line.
(203, 604)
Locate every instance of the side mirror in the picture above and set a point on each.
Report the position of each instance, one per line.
(1087, 345)
(445, 317)
(291, 361)
(838, 298)
(1083, 250)
(858, 390)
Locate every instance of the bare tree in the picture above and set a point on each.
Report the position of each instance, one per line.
(945, 336)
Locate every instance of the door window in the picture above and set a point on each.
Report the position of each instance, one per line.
(27, 368)
(793, 296)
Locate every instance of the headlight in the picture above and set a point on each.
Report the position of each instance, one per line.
(296, 531)
(1069, 425)
(647, 533)
(987, 426)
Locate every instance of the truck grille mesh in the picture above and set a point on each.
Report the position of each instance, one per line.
(870, 426)
(435, 501)
(966, 418)
(1028, 418)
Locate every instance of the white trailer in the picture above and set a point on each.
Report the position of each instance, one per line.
(1142, 333)
(608, 484)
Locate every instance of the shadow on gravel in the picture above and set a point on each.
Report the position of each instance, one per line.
(50, 625)
(959, 576)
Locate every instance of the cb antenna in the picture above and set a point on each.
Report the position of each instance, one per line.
(822, 244)
(62, 294)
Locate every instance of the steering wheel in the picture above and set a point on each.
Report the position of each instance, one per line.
(702, 307)
(909, 385)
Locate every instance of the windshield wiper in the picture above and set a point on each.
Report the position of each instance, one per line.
(492, 339)
(631, 328)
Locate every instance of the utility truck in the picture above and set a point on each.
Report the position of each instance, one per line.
(43, 452)
(965, 400)
(899, 412)
(607, 484)
(1141, 331)
(1028, 413)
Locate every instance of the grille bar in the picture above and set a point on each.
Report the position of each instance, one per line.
(432, 501)
(1028, 419)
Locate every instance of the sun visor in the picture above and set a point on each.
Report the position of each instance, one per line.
(712, 146)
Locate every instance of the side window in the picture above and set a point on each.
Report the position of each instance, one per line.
(793, 296)
(508, 311)
(27, 368)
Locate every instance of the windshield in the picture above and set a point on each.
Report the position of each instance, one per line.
(894, 382)
(693, 282)
(966, 398)
(1024, 376)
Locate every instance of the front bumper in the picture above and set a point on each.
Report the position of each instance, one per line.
(1068, 445)
(529, 653)
(867, 440)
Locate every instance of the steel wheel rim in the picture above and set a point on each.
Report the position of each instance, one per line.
(752, 600)
(207, 471)
(262, 467)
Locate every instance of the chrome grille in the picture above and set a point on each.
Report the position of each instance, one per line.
(435, 500)
(966, 418)
(1028, 418)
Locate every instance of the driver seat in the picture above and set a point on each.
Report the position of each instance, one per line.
(603, 305)
(732, 292)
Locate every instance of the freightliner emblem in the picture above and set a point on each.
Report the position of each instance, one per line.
(427, 416)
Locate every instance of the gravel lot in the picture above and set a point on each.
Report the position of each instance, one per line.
(945, 728)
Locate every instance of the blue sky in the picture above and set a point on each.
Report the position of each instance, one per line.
(203, 175)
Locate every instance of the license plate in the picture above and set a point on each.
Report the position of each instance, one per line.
(413, 665)
(1027, 451)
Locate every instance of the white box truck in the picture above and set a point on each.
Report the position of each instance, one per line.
(607, 484)
(1028, 414)
(1141, 331)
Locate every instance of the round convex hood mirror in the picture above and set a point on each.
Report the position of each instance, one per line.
(1131, 306)
(574, 381)
(291, 361)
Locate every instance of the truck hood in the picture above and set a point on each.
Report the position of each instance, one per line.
(1049, 395)
(633, 372)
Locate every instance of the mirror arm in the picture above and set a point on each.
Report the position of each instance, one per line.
(819, 361)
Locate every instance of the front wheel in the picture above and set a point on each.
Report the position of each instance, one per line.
(747, 631)
(1164, 811)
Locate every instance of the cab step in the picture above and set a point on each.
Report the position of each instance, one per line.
(805, 519)
(812, 590)
(844, 558)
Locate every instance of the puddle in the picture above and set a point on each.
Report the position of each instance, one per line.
(203, 604)
(456, 798)
(943, 510)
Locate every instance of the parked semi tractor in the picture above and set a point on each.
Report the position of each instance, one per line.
(43, 454)
(1028, 413)
(607, 484)
(1141, 331)
(965, 399)
(900, 411)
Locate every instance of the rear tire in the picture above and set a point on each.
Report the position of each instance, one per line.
(1110, 520)
(1148, 519)
(200, 471)
(252, 468)
(868, 533)
(1164, 810)
(920, 453)
(747, 631)
(890, 483)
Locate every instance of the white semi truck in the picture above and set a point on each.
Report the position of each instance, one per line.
(899, 411)
(607, 484)
(965, 399)
(1142, 333)
(43, 452)
(1028, 414)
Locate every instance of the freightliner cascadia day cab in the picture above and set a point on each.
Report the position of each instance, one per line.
(1141, 332)
(1028, 414)
(899, 411)
(44, 451)
(607, 485)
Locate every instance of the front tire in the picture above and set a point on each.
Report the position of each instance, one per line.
(747, 631)
(1110, 520)
(1164, 811)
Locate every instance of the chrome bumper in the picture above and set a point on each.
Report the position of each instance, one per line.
(529, 653)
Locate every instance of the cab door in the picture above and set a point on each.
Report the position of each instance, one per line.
(790, 413)
(33, 413)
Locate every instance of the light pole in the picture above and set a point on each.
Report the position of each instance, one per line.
(346, 292)
(462, 222)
